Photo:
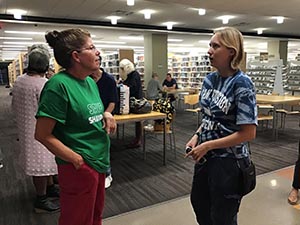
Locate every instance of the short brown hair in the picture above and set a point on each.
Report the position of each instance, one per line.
(65, 42)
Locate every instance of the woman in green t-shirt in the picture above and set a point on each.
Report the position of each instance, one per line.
(72, 124)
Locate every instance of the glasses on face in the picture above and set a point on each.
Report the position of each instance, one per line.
(91, 48)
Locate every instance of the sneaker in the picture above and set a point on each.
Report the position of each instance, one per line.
(52, 191)
(45, 205)
(108, 181)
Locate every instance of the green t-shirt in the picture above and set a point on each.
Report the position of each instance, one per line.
(76, 106)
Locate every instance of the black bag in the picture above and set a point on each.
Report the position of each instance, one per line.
(140, 106)
(248, 177)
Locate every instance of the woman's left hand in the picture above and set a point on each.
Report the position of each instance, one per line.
(198, 152)
(109, 124)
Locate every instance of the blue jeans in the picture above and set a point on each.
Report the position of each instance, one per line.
(215, 194)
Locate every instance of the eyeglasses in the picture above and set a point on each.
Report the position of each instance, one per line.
(91, 48)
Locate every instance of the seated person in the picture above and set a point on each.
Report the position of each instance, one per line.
(153, 88)
(170, 84)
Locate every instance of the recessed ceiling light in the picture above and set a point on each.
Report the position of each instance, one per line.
(260, 30)
(225, 19)
(174, 40)
(24, 32)
(15, 38)
(147, 13)
(279, 19)
(130, 2)
(135, 38)
(22, 43)
(113, 19)
(169, 25)
(181, 45)
(119, 46)
(12, 46)
(110, 42)
(17, 13)
(201, 12)
(204, 41)
(13, 49)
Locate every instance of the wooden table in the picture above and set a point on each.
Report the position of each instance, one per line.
(177, 92)
(277, 100)
(121, 119)
(180, 90)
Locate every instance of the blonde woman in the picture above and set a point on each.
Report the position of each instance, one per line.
(229, 120)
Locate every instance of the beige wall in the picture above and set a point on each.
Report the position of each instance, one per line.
(278, 49)
(155, 55)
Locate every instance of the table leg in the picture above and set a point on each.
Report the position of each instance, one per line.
(164, 143)
(144, 140)
(275, 130)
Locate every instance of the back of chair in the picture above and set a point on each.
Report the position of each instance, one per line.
(191, 99)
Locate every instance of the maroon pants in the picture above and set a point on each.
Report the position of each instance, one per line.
(81, 195)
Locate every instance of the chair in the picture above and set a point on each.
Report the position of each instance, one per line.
(192, 101)
(264, 113)
(180, 99)
(284, 113)
(169, 131)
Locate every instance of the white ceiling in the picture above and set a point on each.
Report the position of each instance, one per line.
(249, 15)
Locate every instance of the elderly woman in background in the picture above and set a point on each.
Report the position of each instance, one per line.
(38, 162)
(133, 81)
(72, 124)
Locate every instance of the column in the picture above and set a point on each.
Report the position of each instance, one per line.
(278, 49)
(155, 56)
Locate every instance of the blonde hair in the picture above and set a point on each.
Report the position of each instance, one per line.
(232, 38)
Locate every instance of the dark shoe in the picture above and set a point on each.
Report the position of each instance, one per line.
(45, 205)
(52, 191)
(135, 144)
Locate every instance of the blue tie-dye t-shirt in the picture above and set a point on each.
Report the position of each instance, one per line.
(227, 103)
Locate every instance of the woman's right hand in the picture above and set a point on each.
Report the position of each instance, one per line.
(77, 161)
(192, 142)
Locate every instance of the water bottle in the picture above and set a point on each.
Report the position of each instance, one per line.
(1, 159)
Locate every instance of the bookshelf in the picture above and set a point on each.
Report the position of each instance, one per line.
(267, 76)
(189, 71)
